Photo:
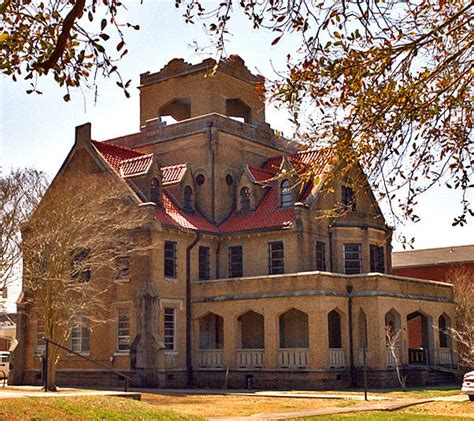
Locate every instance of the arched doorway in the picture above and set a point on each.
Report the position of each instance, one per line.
(419, 335)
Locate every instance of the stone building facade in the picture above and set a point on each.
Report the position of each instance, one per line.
(253, 280)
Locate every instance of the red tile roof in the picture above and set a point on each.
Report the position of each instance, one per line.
(172, 173)
(135, 166)
(260, 175)
(315, 158)
(268, 214)
(114, 154)
(170, 214)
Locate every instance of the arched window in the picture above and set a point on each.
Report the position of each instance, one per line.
(188, 199)
(155, 190)
(443, 325)
(334, 329)
(245, 199)
(286, 199)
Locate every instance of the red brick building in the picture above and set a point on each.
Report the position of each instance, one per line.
(436, 264)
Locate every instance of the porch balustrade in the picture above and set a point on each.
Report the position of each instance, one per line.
(250, 358)
(293, 358)
(211, 358)
(444, 357)
(336, 358)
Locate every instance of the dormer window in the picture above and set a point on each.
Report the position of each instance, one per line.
(286, 199)
(244, 199)
(155, 191)
(188, 199)
(348, 198)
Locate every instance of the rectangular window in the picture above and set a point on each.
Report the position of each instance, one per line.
(352, 259)
(80, 269)
(320, 256)
(276, 261)
(122, 267)
(236, 267)
(377, 263)
(40, 344)
(80, 334)
(123, 330)
(170, 329)
(348, 199)
(171, 257)
(204, 271)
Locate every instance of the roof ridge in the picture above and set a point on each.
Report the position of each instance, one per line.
(113, 146)
(135, 158)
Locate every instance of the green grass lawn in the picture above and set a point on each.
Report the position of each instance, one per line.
(81, 408)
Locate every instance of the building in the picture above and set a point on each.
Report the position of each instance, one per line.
(439, 264)
(253, 279)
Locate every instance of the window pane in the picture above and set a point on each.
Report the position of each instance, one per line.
(123, 330)
(352, 259)
(320, 256)
(170, 328)
(204, 257)
(170, 259)
(235, 262)
(275, 258)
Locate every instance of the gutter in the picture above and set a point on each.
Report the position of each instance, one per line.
(189, 360)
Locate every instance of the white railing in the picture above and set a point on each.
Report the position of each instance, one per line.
(391, 361)
(213, 358)
(250, 358)
(293, 358)
(444, 356)
(336, 358)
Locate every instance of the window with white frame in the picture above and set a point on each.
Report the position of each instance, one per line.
(170, 328)
(123, 330)
(40, 343)
(352, 258)
(80, 334)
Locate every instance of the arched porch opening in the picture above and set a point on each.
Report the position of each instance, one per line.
(419, 338)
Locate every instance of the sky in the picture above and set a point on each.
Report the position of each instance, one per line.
(38, 130)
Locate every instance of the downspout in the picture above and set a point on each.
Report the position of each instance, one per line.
(349, 289)
(209, 125)
(189, 358)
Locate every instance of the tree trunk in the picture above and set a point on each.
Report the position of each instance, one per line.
(52, 365)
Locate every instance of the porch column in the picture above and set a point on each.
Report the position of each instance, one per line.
(271, 338)
(318, 348)
(230, 339)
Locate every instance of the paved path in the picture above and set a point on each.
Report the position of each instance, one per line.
(388, 405)
(264, 393)
(37, 392)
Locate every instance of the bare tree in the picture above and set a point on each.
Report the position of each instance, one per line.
(80, 239)
(463, 330)
(392, 341)
(20, 192)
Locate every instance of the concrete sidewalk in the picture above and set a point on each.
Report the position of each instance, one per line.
(388, 405)
(13, 392)
(265, 394)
